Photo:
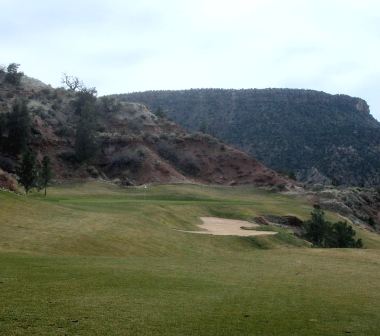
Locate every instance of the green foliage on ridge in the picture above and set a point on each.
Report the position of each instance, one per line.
(288, 130)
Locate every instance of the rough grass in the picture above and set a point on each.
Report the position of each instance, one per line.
(96, 259)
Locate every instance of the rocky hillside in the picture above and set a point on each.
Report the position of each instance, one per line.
(321, 138)
(134, 146)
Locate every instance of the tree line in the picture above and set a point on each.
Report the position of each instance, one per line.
(87, 118)
(17, 125)
(12, 75)
(16, 131)
(322, 233)
(288, 130)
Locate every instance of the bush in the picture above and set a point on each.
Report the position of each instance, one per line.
(133, 161)
(85, 138)
(109, 105)
(371, 222)
(27, 172)
(65, 131)
(342, 235)
(19, 127)
(160, 113)
(322, 233)
(3, 123)
(7, 164)
(316, 229)
(168, 152)
(68, 156)
(189, 166)
(186, 163)
(151, 138)
(13, 76)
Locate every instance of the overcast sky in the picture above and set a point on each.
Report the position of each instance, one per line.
(122, 46)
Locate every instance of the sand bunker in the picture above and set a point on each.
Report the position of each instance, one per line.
(229, 227)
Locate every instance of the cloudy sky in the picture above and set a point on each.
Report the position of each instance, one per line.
(122, 46)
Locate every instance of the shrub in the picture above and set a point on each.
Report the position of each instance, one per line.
(317, 227)
(45, 92)
(189, 166)
(342, 235)
(65, 131)
(371, 222)
(322, 233)
(13, 76)
(160, 113)
(19, 127)
(7, 164)
(151, 138)
(168, 152)
(135, 126)
(27, 171)
(56, 106)
(133, 161)
(85, 138)
(109, 105)
(68, 156)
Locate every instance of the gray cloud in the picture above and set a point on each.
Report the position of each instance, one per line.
(124, 46)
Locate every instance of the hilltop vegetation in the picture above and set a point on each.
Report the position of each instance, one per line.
(86, 136)
(318, 137)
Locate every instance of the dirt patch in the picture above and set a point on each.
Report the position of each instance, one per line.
(229, 227)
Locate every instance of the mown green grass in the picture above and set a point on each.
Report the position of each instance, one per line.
(96, 259)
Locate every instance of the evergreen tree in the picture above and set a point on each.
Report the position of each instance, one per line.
(27, 172)
(85, 97)
(13, 76)
(85, 142)
(3, 127)
(342, 235)
(19, 126)
(45, 174)
(317, 227)
(160, 113)
(86, 110)
(325, 234)
(203, 127)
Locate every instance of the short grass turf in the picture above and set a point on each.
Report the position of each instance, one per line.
(95, 259)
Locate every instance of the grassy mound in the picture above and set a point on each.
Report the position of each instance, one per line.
(96, 259)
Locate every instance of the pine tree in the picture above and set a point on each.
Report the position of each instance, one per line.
(3, 127)
(160, 113)
(19, 126)
(317, 227)
(322, 233)
(203, 127)
(85, 142)
(27, 172)
(45, 173)
(342, 235)
(13, 76)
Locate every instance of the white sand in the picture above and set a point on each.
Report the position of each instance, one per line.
(228, 227)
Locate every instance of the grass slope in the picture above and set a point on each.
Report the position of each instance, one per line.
(96, 259)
